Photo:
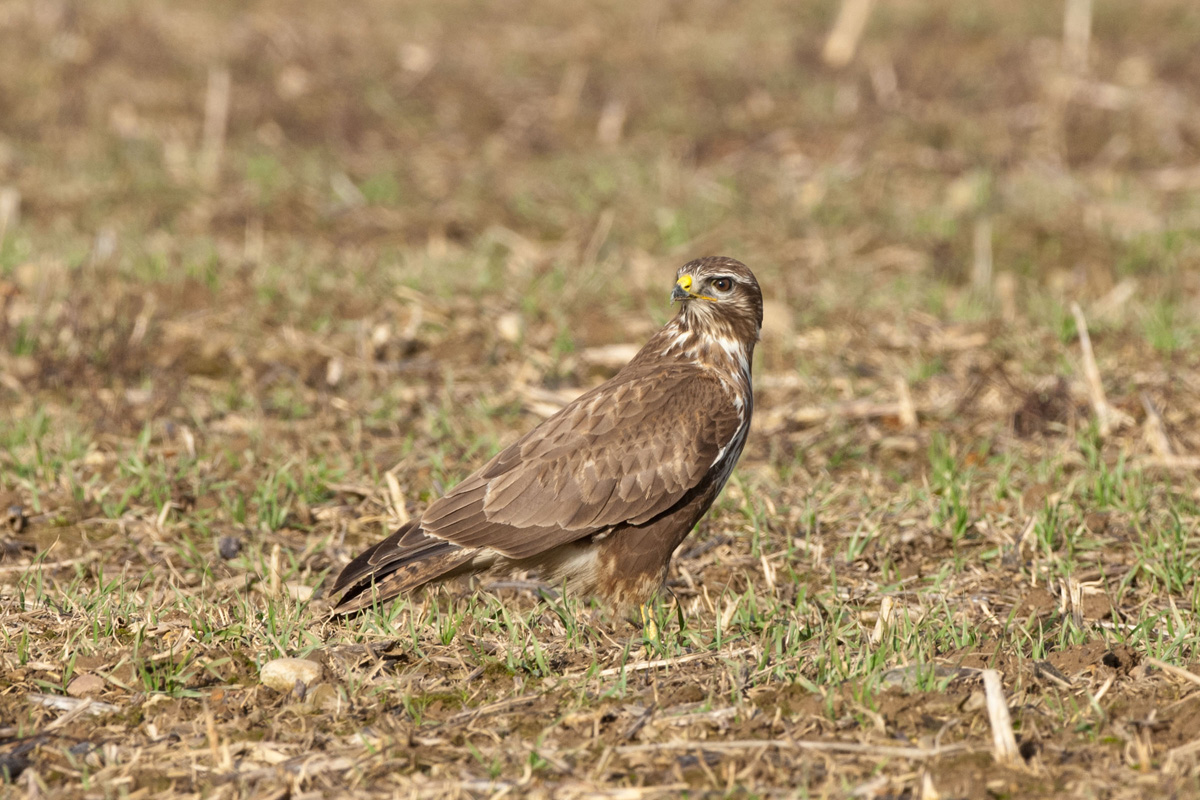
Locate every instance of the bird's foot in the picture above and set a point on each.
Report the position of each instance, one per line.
(649, 626)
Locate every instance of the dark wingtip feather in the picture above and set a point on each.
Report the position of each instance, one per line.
(365, 562)
(406, 560)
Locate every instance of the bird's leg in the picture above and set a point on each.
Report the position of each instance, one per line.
(649, 626)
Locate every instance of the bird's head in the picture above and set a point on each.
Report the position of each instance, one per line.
(720, 292)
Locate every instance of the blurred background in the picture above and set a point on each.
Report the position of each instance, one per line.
(235, 221)
(274, 273)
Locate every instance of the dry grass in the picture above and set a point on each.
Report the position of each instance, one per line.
(270, 278)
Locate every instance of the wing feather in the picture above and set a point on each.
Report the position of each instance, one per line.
(625, 452)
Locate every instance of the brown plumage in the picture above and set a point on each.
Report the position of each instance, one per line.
(599, 495)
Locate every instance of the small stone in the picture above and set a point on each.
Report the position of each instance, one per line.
(333, 371)
(229, 547)
(283, 673)
(85, 686)
(298, 591)
(509, 327)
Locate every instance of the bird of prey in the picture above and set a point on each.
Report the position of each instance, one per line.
(599, 495)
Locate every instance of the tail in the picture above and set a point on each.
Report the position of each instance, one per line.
(406, 560)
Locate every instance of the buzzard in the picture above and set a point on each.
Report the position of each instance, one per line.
(599, 495)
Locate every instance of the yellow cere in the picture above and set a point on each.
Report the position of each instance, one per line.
(685, 283)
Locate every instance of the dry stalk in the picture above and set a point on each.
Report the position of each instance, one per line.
(847, 31)
(854, 748)
(640, 666)
(492, 708)
(1107, 417)
(10, 209)
(570, 90)
(1005, 286)
(611, 125)
(1004, 743)
(1071, 599)
(254, 243)
(884, 622)
(981, 267)
(928, 790)
(1154, 430)
(397, 508)
(1116, 299)
(1183, 463)
(599, 235)
(72, 705)
(1171, 669)
(907, 410)
(884, 82)
(50, 565)
(75, 713)
(1077, 34)
(1103, 691)
(274, 571)
(216, 119)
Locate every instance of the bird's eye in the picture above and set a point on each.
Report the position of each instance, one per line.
(722, 284)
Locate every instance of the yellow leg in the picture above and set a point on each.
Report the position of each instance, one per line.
(649, 626)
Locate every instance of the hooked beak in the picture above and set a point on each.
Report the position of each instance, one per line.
(683, 290)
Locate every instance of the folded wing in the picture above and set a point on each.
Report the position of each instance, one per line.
(623, 453)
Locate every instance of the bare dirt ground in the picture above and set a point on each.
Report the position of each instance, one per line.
(273, 274)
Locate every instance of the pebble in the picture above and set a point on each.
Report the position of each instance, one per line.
(85, 686)
(283, 673)
(229, 547)
(509, 327)
(298, 591)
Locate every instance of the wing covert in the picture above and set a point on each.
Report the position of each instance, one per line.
(624, 452)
